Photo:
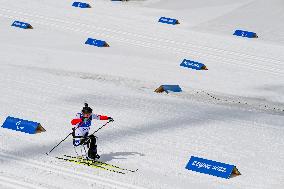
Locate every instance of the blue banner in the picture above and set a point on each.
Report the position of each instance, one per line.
(168, 20)
(81, 5)
(247, 34)
(22, 125)
(96, 42)
(211, 167)
(193, 65)
(22, 25)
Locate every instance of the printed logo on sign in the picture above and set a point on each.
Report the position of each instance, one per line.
(168, 20)
(192, 64)
(188, 63)
(18, 125)
(208, 166)
(218, 168)
(196, 65)
(20, 24)
(200, 165)
(17, 24)
(164, 19)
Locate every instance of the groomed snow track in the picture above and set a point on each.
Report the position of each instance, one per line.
(261, 64)
(59, 170)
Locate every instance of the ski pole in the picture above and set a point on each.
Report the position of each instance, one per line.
(98, 129)
(61, 141)
(71, 133)
(58, 144)
(101, 127)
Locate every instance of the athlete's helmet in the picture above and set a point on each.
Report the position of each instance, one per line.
(87, 109)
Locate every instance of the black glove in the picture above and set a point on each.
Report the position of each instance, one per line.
(110, 119)
(73, 132)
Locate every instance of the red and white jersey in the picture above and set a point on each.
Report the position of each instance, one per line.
(82, 125)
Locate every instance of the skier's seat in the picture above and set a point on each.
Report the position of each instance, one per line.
(90, 141)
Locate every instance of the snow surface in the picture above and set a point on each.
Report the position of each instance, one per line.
(231, 113)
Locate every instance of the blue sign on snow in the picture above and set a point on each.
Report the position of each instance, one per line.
(81, 5)
(211, 167)
(96, 42)
(167, 88)
(168, 20)
(193, 65)
(173, 88)
(22, 25)
(22, 125)
(247, 34)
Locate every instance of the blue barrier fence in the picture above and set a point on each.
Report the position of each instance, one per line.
(81, 5)
(193, 65)
(22, 25)
(247, 34)
(22, 125)
(169, 21)
(96, 42)
(210, 167)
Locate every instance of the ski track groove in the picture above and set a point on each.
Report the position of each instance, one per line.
(237, 122)
(270, 69)
(230, 61)
(26, 85)
(17, 184)
(68, 172)
(63, 89)
(147, 37)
